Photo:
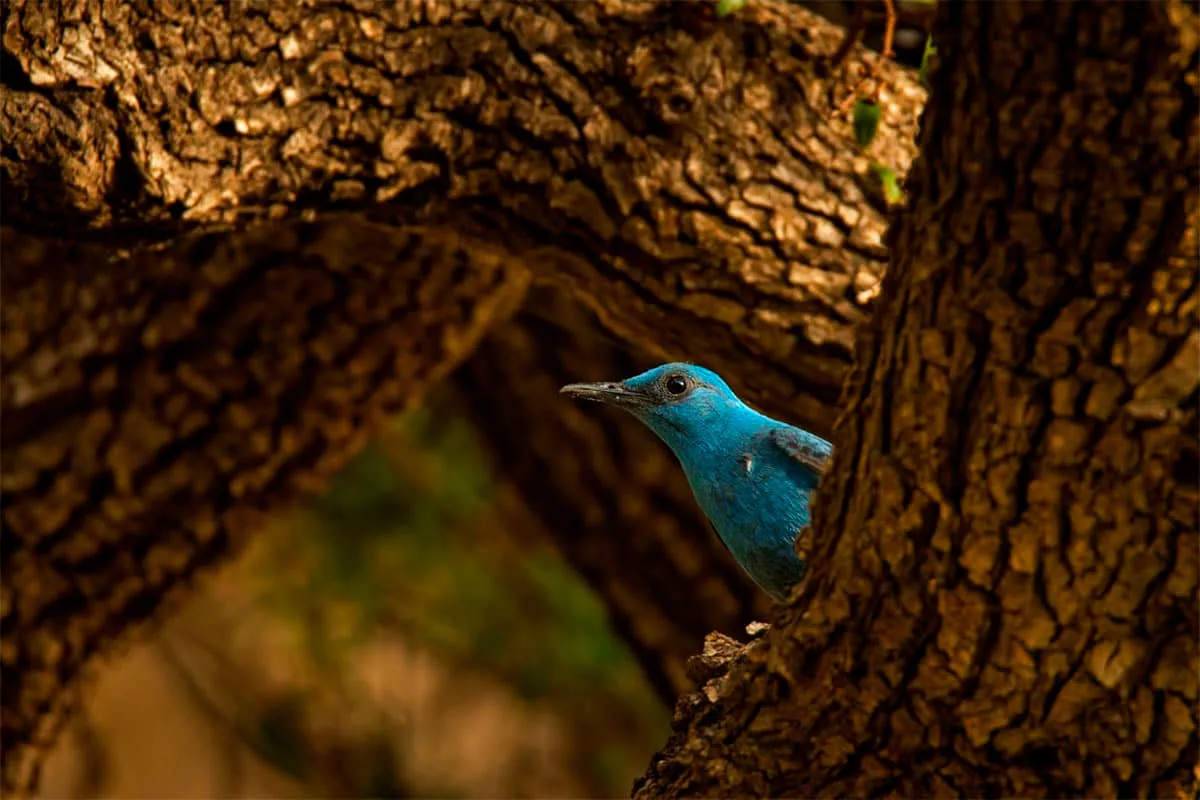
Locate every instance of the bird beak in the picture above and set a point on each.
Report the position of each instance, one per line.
(614, 394)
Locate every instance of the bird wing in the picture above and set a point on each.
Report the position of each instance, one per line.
(811, 451)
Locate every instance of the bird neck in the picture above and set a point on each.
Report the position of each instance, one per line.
(702, 444)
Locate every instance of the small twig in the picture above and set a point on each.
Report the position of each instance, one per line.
(889, 31)
(889, 35)
(853, 32)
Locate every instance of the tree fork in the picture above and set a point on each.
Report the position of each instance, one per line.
(682, 177)
(1003, 599)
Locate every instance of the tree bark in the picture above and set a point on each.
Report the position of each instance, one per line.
(154, 407)
(1003, 594)
(685, 176)
(249, 230)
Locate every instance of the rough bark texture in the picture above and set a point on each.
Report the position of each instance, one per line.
(249, 229)
(676, 170)
(152, 407)
(1004, 590)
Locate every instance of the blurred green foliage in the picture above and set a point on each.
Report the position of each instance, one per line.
(883, 182)
(727, 7)
(408, 540)
(866, 121)
(927, 55)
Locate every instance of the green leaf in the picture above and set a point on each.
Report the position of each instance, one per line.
(930, 51)
(888, 182)
(727, 7)
(866, 122)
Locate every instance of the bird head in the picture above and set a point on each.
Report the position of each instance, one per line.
(677, 401)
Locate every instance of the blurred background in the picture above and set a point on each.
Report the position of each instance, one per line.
(388, 640)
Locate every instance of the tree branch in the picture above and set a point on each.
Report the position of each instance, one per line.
(155, 405)
(674, 171)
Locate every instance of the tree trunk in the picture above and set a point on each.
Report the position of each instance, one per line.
(250, 230)
(1003, 594)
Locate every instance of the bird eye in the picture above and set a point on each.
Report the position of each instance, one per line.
(677, 384)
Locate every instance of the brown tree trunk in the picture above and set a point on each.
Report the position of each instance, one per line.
(249, 230)
(1003, 597)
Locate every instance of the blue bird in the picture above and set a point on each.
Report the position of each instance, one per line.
(752, 475)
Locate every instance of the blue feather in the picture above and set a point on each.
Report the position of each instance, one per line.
(753, 476)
